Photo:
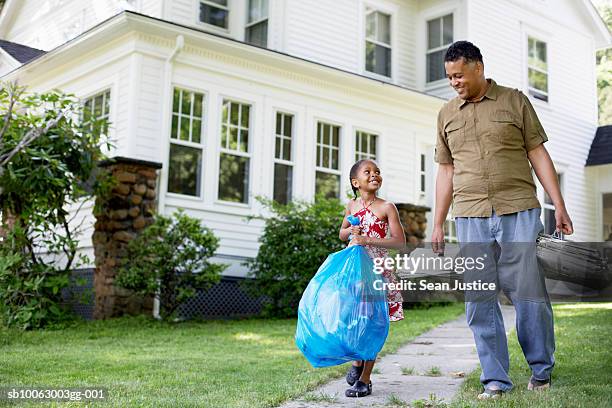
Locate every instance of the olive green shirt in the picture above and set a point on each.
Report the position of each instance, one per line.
(487, 142)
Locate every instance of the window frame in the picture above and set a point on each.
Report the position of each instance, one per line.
(358, 153)
(250, 24)
(188, 143)
(208, 26)
(428, 51)
(318, 168)
(531, 91)
(222, 150)
(92, 96)
(275, 160)
(392, 10)
(422, 172)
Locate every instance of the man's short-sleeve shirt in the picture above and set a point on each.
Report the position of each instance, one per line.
(487, 143)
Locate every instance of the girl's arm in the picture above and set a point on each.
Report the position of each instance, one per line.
(345, 228)
(398, 238)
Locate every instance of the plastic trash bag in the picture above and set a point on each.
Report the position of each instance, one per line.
(342, 315)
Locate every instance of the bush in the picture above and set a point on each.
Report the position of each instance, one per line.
(296, 240)
(47, 160)
(170, 259)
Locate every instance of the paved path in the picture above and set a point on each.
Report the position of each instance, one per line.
(450, 347)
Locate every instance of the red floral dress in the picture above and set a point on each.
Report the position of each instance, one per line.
(374, 227)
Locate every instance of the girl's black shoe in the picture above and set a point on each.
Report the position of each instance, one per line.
(353, 374)
(360, 389)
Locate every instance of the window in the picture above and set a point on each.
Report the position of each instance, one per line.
(185, 164)
(235, 157)
(537, 69)
(439, 37)
(378, 43)
(365, 146)
(550, 224)
(96, 111)
(257, 25)
(328, 160)
(423, 173)
(283, 165)
(214, 12)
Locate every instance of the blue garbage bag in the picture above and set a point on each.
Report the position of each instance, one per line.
(343, 316)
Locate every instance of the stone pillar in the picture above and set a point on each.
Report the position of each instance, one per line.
(129, 209)
(414, 221)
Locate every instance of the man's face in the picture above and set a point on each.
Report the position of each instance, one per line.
(464, 77)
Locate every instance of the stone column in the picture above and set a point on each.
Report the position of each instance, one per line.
(129, 209)
(414, 221)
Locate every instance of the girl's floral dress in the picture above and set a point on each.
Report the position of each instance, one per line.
(374, 227)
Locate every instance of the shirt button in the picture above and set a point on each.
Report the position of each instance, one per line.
(486, 152)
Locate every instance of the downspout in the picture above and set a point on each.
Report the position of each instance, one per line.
(165, 148)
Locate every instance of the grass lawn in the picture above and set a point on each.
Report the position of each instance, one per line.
(583, 369)
(141, 362)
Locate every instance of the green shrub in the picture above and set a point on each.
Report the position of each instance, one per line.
(170, 259)
(296, 240)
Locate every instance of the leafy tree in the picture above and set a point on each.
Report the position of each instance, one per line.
(604, 72)
(296, 240)
(47, 161)
(169, 259)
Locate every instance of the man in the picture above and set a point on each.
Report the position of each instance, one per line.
(488, 136)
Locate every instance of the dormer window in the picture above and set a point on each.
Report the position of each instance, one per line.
(215, 13)
(257, 25)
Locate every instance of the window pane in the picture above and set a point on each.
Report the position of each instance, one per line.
(422, 162)
(435, 66)
(326, 129)
(279, 123)
(224, 132)
(176, 100)
(373, 142)
(287, 149)
(433, 34)
(174, 132)
(447, 29)
(258, 34)
(550, 224)
(277, 148)
(196, 130)
(325, 157)
(538, 80)
(334, 163)
(213, 15)
(233, 178)
(423, 183)
(244, 117)
(336, 138)
(197, 107)
(541, 55)
(254, 10)
(184, 172)
(370, 56)
(371, 26)
(327, 184)
(224, 112)
(383, 61)
(186, 103)
(98, 104)
(234, 113)
(233, 138)
(244, 140)
(384, 28)
(288, 125)
(184, 125)
(283, 179)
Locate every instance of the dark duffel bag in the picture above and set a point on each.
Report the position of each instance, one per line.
(584, 263)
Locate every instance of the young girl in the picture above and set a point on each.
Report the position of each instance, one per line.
(379, 219)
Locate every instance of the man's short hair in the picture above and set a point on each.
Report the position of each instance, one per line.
(463, 49)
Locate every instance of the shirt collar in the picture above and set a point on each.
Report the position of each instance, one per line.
(491, 93)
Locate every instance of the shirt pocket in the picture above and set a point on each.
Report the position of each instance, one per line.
(507, 128)
(455, 134)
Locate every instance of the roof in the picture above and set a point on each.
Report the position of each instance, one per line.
(601, 148)
(21, 53)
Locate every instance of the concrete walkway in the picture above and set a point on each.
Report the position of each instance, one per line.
(449, 347)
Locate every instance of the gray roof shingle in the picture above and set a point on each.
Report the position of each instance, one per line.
(21, 53)
(601, 148)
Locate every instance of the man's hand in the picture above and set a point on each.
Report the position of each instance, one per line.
(437, 241)
(564, 223)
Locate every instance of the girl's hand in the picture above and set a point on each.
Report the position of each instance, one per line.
(355, 230)
(359, 240)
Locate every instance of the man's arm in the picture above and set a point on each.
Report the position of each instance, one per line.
(545, 170)
(444, 196)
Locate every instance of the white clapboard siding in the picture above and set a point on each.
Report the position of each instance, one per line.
(46, 24)
(570, 117)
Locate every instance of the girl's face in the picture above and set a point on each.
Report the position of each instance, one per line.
(368, 177)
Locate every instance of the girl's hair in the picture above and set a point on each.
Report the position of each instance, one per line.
(353, 173)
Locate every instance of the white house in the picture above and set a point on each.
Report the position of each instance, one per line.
(240, 98)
